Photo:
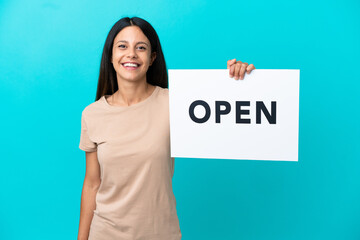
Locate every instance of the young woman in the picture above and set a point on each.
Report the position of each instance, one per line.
(127, 191)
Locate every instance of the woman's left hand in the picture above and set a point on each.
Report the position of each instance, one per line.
(237, 69)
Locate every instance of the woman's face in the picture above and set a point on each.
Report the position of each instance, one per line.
(131, 55)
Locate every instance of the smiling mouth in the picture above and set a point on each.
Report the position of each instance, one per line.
(131, 65)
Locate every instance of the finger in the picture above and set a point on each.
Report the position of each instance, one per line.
(246, 64)
(250, 68)
(237, 71)
(231, 62)
(242, 71)
(232, 70)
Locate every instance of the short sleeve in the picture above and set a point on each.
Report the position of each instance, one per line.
(85, 142)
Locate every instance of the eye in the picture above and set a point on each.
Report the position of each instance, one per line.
(121, 46)
(142, 47)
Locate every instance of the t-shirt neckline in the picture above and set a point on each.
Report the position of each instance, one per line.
(133, 105)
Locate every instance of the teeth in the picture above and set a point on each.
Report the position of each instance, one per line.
(130, 65)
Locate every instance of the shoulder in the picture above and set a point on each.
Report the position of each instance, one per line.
(93, 108)
(163, 92)
(161, 98)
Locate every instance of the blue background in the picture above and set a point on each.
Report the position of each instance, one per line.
(49, 62)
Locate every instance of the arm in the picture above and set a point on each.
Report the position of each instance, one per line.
(91, 184)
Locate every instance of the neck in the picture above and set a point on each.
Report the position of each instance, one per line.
(131, 93)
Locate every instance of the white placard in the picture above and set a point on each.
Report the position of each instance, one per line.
(210, 114)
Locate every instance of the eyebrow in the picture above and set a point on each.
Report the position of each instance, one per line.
(135, 44)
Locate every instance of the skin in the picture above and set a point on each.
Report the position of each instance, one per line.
(130, 45)
(237, 69)
(90, 187)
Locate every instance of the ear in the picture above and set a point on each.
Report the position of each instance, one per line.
(153, 56)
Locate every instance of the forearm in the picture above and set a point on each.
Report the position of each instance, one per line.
(87, 208)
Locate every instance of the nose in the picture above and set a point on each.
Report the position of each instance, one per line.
(132, 53)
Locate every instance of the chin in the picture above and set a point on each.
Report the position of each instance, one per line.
(133, 79)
